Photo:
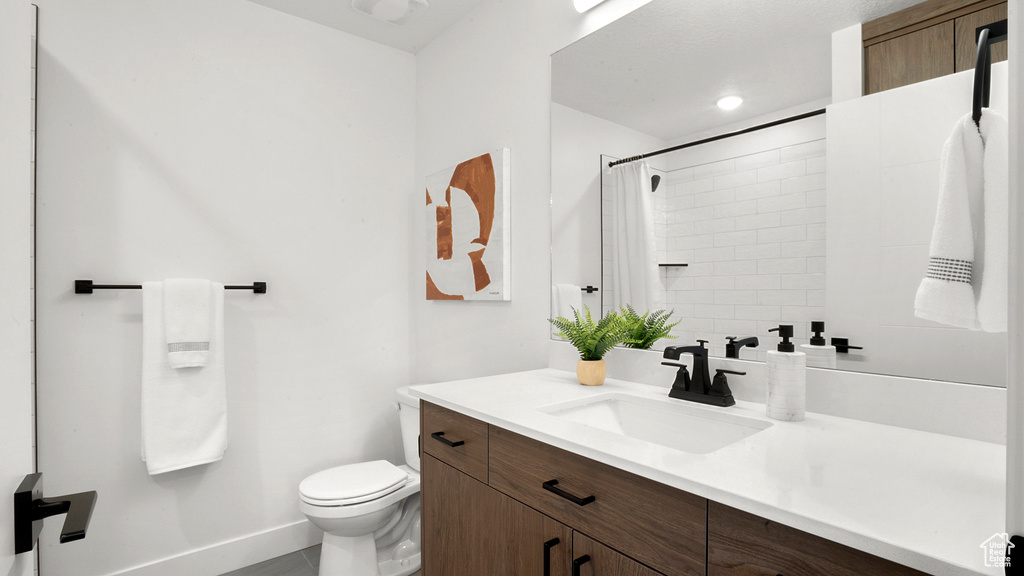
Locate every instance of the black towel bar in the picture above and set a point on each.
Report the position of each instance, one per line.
(87, 286)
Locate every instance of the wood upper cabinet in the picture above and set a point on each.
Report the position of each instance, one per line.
(914, 57)
(925, 41)
(965, 28)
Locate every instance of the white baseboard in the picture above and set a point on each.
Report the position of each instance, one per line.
(233, 554)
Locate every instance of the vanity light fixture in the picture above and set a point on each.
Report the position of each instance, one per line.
(582, 6)
(730, 102)
(392, 11)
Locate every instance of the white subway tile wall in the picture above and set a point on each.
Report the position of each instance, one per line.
(752, 231)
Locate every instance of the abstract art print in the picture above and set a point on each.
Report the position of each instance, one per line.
(468, 230)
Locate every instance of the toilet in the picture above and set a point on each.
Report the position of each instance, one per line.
(370, 511)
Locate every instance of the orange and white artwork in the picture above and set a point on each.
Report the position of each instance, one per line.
(468, 230)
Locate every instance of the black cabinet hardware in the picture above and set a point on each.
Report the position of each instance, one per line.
(439, 436)
(547, 554)
(579, 562)
(550, 487)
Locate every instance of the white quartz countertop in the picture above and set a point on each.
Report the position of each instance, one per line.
(921, 499)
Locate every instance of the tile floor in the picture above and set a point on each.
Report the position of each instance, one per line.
(302, 563)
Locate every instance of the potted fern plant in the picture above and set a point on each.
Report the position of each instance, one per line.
(593, 340)
(643, 331)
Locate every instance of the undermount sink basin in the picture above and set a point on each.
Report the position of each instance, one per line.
(665, 422)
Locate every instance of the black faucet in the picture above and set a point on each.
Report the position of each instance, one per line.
(701, 377)
(732, 348)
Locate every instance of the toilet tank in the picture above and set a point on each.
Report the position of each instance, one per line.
(409, 416)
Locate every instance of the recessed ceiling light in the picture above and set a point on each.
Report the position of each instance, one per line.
(391, 11)
(730, 102)
(582, 6)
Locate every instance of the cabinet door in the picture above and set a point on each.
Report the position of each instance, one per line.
(470, 528)
(742, 544)
(591, 558)
(966, 47)
(914, 57)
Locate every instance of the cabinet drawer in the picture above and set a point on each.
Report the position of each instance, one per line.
(455, 439)
(659, 526)
(742, 544)
(596, 559)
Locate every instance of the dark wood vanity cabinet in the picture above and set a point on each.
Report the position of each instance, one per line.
(742, 544)
(927, 40)
(507, 518)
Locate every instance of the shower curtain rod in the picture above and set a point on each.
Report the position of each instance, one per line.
(720, 137)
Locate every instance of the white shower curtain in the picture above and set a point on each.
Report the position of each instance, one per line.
(635, 278)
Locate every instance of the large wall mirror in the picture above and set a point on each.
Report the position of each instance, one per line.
(825, 218)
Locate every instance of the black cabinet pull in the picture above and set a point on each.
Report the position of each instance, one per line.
(550, 487)
(439, 436)
(579, 562)
(547, 554)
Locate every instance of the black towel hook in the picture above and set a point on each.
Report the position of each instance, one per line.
(986, 36)
(982, 77)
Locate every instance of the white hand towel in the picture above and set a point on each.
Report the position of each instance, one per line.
(568, 297)
(967, 271)
(184, 411)
(187, 321)
(564, 299)
(993, 311)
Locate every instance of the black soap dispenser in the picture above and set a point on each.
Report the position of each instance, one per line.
(819, 353)
(787, 379)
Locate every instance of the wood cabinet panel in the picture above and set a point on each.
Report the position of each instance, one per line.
(742, 544)
(603, 561)
(909, 58)
(470, 456)
(657, 525)
(470, 528)
(964, 29)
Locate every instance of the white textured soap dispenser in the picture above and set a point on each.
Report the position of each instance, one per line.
(819, 354)
(787, 379)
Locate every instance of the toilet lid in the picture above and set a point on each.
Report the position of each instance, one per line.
(353, 483)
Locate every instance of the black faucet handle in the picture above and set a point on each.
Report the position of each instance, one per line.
(843, 345)
(702, 342)
(674, 364)
(734, 372)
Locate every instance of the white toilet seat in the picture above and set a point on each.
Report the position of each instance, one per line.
(353, 483)
(412, 486)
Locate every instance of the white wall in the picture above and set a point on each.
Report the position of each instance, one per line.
(16, 454)
(483, 84)
(883, 183)
(224, 140)
(577, 142)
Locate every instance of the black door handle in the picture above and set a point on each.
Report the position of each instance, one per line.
(579, 562)
(547, 554)
(550, 487)
(30, 508)
(439, 436)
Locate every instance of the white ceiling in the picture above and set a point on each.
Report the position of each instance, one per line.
(661, 68)
(340, 15)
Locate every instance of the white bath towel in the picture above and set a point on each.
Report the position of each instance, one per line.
(187, 321)
(966, 281)
(184, 411)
